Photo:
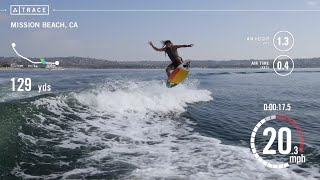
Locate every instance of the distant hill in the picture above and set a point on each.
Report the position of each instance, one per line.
(91, 63)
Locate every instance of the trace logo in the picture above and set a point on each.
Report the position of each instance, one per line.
(31, 10)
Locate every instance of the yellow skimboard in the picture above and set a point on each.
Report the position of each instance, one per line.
(179, 74)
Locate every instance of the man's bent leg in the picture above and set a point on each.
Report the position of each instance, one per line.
(169, 68)
(168, 71)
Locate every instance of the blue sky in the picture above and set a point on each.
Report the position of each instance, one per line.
(124, 35)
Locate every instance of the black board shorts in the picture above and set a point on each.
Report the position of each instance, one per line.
(174, 65)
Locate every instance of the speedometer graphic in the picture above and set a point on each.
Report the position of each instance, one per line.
(281, 150)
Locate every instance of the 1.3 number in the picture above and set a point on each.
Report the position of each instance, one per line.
(285, 41)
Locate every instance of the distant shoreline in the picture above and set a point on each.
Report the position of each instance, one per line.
(90, 63)
(41, 69)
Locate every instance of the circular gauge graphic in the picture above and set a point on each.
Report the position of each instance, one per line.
(283, 150)
(283, 41)
(283, 65)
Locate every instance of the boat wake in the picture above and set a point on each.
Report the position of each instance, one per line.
(129, 130)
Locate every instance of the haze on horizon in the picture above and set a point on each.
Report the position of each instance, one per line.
(124, 36)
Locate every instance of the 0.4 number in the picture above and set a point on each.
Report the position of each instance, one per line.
(280, 66)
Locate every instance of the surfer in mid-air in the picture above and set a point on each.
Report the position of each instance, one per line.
(172, 52)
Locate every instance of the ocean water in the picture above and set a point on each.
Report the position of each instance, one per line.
(125, 124)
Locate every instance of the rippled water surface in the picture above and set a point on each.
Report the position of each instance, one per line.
(125, 124)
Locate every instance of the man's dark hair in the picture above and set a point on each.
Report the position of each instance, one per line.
(166, 42)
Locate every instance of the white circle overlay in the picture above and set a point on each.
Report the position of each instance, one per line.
(274, 61)
(254, 150)
(274, 44)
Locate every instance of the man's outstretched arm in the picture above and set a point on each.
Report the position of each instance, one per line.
(183, 46)
(155, 48)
